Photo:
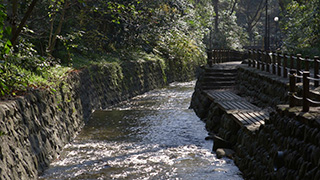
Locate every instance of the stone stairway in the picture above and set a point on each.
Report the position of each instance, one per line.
(220, 76)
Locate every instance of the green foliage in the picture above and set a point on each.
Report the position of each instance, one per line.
(12, 79)
(2, 133)
(229, 34)
(301, 26)
(19, 74)
(77, 33)
(5, 43)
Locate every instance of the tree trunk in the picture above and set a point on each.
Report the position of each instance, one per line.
(216, 11)
(14, 16)
(58, 30)
(22, 23)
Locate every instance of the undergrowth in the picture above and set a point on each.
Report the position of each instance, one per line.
(20, 74)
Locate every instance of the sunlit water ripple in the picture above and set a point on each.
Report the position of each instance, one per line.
(152, 136)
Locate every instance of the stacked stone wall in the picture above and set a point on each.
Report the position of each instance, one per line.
(34, 128)
(286, 147)
(264, 88)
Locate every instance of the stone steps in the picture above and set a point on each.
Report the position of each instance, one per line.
(219, 77)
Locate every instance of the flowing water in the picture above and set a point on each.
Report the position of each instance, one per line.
(152, 136)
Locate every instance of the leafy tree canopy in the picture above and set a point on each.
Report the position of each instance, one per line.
(301, 26)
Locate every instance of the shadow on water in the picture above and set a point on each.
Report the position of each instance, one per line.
(152, 136)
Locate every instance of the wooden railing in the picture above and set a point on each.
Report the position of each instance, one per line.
(223, 55)
(280, 63)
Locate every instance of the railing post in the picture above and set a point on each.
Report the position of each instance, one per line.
(268, 61)
(221, 56)
(306, 64)
(291, 62)
(298, 66)
(316, 70)
(249, 57)
(285, 65)
(225, 55)
(258, 59)
(278, 63)
(273, 63)
(292, 88)
(209, 60)
(305, 102)
(263, 60)
(254, 58)
(216, 56)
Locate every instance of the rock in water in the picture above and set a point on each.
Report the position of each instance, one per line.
(221, 152)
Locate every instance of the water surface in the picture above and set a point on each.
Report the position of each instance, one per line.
(152, 136)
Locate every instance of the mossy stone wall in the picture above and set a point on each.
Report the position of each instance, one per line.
(34, 128)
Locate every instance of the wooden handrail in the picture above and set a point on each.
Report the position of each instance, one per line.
(306, 99)
(280, 63)
(222, 55)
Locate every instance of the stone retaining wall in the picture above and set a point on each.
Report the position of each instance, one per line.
(286, 147)
(265, 88)
(34, 128)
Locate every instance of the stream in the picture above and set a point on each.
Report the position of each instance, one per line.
(152, 136)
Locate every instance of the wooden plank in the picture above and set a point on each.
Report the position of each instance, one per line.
(243, 112)
(221, 95)
(258, 117)
(237, 105)
(240, 119)
(252, 128)
(249, 122)
(250, 118)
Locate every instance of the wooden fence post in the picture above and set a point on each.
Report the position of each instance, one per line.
(306, 64)
(221, 56)
(263, 60)
(316, 70)
(305, 93)
(254, 58)
(216, 56)
(278, 63)
(291, 62)
(273, 63)
(209, 60)
(249, 57)
(258, 59)
(285, 65)
(292, 88)
(298, 66)
(268, 61)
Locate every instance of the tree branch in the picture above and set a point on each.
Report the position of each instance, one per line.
(233, 7)
(23, 22)
(58, 30)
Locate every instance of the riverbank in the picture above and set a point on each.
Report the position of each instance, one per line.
(284, 146)
(37, 126)
(133, 140)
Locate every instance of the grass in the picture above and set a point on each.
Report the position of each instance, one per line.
(18, 75)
